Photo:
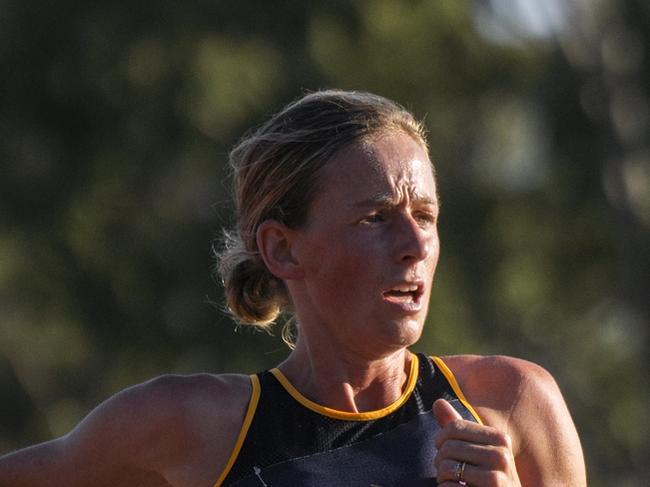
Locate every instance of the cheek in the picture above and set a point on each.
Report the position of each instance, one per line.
(435, 252)
(345, 270)
(345, 274)
(434, 255)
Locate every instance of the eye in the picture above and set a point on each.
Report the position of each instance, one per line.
(375, 218)
(425, 218)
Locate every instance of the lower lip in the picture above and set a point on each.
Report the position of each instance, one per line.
(410, 306)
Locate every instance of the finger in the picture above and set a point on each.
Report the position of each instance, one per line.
(457, 450)
(487, 457)
(472, 433)
(447, 473)
(445, 415)
(445, 412)
(472, 475)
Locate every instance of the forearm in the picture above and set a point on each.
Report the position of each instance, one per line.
(55, 464)
(33, 466)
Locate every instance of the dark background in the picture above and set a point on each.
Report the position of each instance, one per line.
(115, 123)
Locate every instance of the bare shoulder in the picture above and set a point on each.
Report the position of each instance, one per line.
(180, 426)
(497, 380)
(170, 431)
(503, 389)
(175, 400)
(180, 397)
(523, 400)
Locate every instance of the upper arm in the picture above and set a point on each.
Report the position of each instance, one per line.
(141, 436)
(549, 448)
(131, 430)
(523, 400)
(114, 442)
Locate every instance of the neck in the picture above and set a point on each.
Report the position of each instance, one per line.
(345, 380)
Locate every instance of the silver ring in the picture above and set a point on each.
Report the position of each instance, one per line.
(459, 471)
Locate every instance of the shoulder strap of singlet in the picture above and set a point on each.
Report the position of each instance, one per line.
(449, 375)
(248, 419)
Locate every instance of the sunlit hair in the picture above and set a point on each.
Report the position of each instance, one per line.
(276, 175)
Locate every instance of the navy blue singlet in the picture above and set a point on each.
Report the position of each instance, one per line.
(287, 440)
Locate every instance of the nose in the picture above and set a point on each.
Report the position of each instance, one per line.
(413, 242)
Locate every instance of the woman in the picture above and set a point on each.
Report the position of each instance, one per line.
(337, 226)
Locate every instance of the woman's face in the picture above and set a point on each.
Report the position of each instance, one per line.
(370, 247)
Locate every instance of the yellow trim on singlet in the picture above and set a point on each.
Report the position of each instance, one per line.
(248, 419)
(337, 414)
(454, 385)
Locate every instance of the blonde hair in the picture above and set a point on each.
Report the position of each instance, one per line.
(276, 174)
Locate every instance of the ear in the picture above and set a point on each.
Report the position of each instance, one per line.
(274, 241)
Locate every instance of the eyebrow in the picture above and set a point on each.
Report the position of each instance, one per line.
(387, 200)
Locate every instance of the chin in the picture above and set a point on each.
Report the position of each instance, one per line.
(407, 332)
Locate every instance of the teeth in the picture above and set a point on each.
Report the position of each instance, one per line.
(406, 288)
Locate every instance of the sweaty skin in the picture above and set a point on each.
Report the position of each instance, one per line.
(372, 231)
(529, 437)
(359, 274)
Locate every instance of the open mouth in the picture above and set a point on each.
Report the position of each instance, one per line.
(404, 293)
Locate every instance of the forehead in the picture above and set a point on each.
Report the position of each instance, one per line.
(393, 166)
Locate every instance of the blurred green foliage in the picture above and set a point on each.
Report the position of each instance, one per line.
(116, 119)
